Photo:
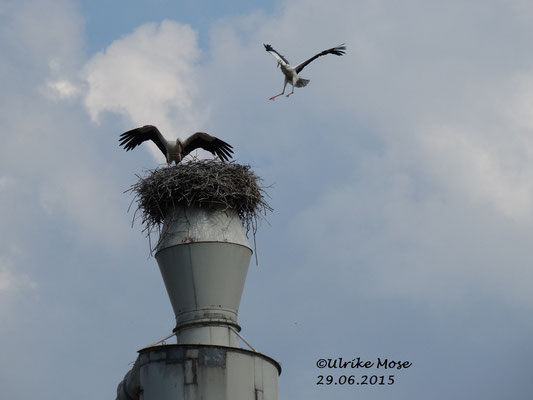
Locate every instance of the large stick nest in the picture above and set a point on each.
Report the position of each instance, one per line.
(206, 184)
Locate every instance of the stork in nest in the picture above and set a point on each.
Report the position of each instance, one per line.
(175, 150)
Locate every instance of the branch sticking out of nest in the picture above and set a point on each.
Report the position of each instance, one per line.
(206, 184)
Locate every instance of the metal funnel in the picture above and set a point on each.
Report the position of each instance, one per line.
(203, 256)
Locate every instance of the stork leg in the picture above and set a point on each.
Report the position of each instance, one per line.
(291, 91)
(282, 92)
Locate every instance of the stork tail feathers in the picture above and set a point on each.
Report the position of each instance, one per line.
(302, 82)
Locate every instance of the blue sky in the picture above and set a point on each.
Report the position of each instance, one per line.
(105, 23)
(402, 187)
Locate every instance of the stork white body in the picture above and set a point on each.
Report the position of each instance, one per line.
(290, 77)
(174, 150)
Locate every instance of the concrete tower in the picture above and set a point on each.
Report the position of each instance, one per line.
(203, 256)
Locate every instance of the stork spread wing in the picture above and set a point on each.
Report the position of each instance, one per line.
(207, 142)
(131, 139)
(338, 51)
(276, 55)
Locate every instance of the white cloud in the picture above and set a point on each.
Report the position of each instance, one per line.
(29, 31)
(11, 281)
(453, 103)
(385, 235)
(484, 170)
(46, 145)
(63, 89)
(518, 105)
(149, 76)
(5, 182)
(441, 107)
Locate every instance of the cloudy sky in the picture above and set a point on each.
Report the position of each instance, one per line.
(402, 186)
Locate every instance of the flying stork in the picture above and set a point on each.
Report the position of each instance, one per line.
(175, 150)
(291, 73)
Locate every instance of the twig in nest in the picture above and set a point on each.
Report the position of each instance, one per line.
(206, 184)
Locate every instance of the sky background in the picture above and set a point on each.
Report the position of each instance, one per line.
(402, 186)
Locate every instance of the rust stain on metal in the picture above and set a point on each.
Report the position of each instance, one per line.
(188, 239)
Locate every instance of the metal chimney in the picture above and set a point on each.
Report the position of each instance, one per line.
(203, 255)
(204, 259)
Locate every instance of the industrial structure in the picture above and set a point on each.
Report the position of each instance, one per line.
(203, 255)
